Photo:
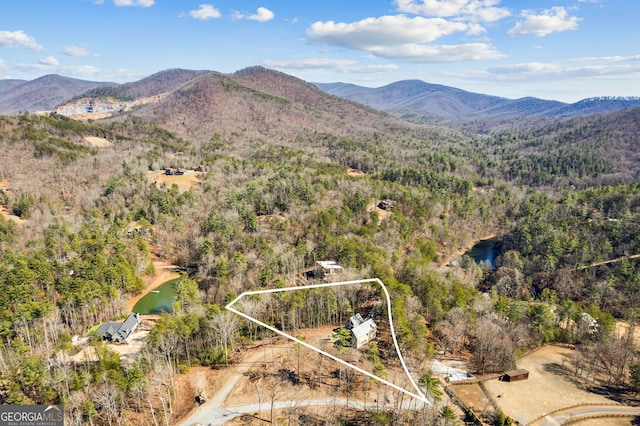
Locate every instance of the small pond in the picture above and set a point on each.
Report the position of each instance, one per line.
(158, 300)
(484, 252)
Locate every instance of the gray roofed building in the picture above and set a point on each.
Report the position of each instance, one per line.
(363, 333)
(119, 331)
(354, 321)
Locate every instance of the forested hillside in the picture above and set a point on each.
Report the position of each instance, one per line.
(155, 84)
(582, 152)
(425, 101)
(289, 175)
(41, 94)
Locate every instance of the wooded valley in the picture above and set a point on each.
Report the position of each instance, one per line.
(277, 190)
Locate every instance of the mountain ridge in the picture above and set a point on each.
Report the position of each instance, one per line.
(427, 99)
(42, 93)
(256, 103)
(152, 85)
(414, 100)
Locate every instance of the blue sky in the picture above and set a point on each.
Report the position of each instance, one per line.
(552, 49)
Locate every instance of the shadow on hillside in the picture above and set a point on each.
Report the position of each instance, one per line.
(615, 394)
(610, 392)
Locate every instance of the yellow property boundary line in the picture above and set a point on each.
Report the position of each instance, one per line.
(418, 395)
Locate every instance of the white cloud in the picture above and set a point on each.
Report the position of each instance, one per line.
(33, 67)
(563, 71)
(369, 69)
(403, 38)
(526, 68)
(262, 15)
(86, 72)
(341, 65)
(549, 21)
(49, 61)
(75, 51)
(18, 39)
(311, 63)
(373, 33)
(421, 53)
(489, 14)
(2, 64)
(475, 29)
(83, 70)
(143, 3)
(607, 59)
(472, 10)
(204, 13)
(103, 74)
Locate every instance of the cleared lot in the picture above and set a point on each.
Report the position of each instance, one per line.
(550, 386)
(185, 182)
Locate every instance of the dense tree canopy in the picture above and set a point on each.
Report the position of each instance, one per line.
(567, 221)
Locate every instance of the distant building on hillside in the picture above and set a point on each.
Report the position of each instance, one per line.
(173, 172)
(362, 331)
(119, 331)
(328, 267)
(589, 321)
(134, 228)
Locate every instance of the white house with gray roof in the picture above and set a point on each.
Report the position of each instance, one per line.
(362, 331)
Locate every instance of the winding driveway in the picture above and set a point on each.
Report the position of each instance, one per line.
(218, 415)
(215, 412)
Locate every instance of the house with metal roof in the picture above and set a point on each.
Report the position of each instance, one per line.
(354, 321)
(362, 331)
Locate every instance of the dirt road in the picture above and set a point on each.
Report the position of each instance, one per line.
(218, 415)
(231, 398)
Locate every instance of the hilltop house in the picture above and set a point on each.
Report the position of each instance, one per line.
(362, 331)
(119, 331)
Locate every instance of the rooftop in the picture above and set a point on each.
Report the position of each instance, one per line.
(119, 331)
(329, 264)
(364, 329)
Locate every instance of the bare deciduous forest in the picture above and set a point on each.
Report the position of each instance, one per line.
(273, 195)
